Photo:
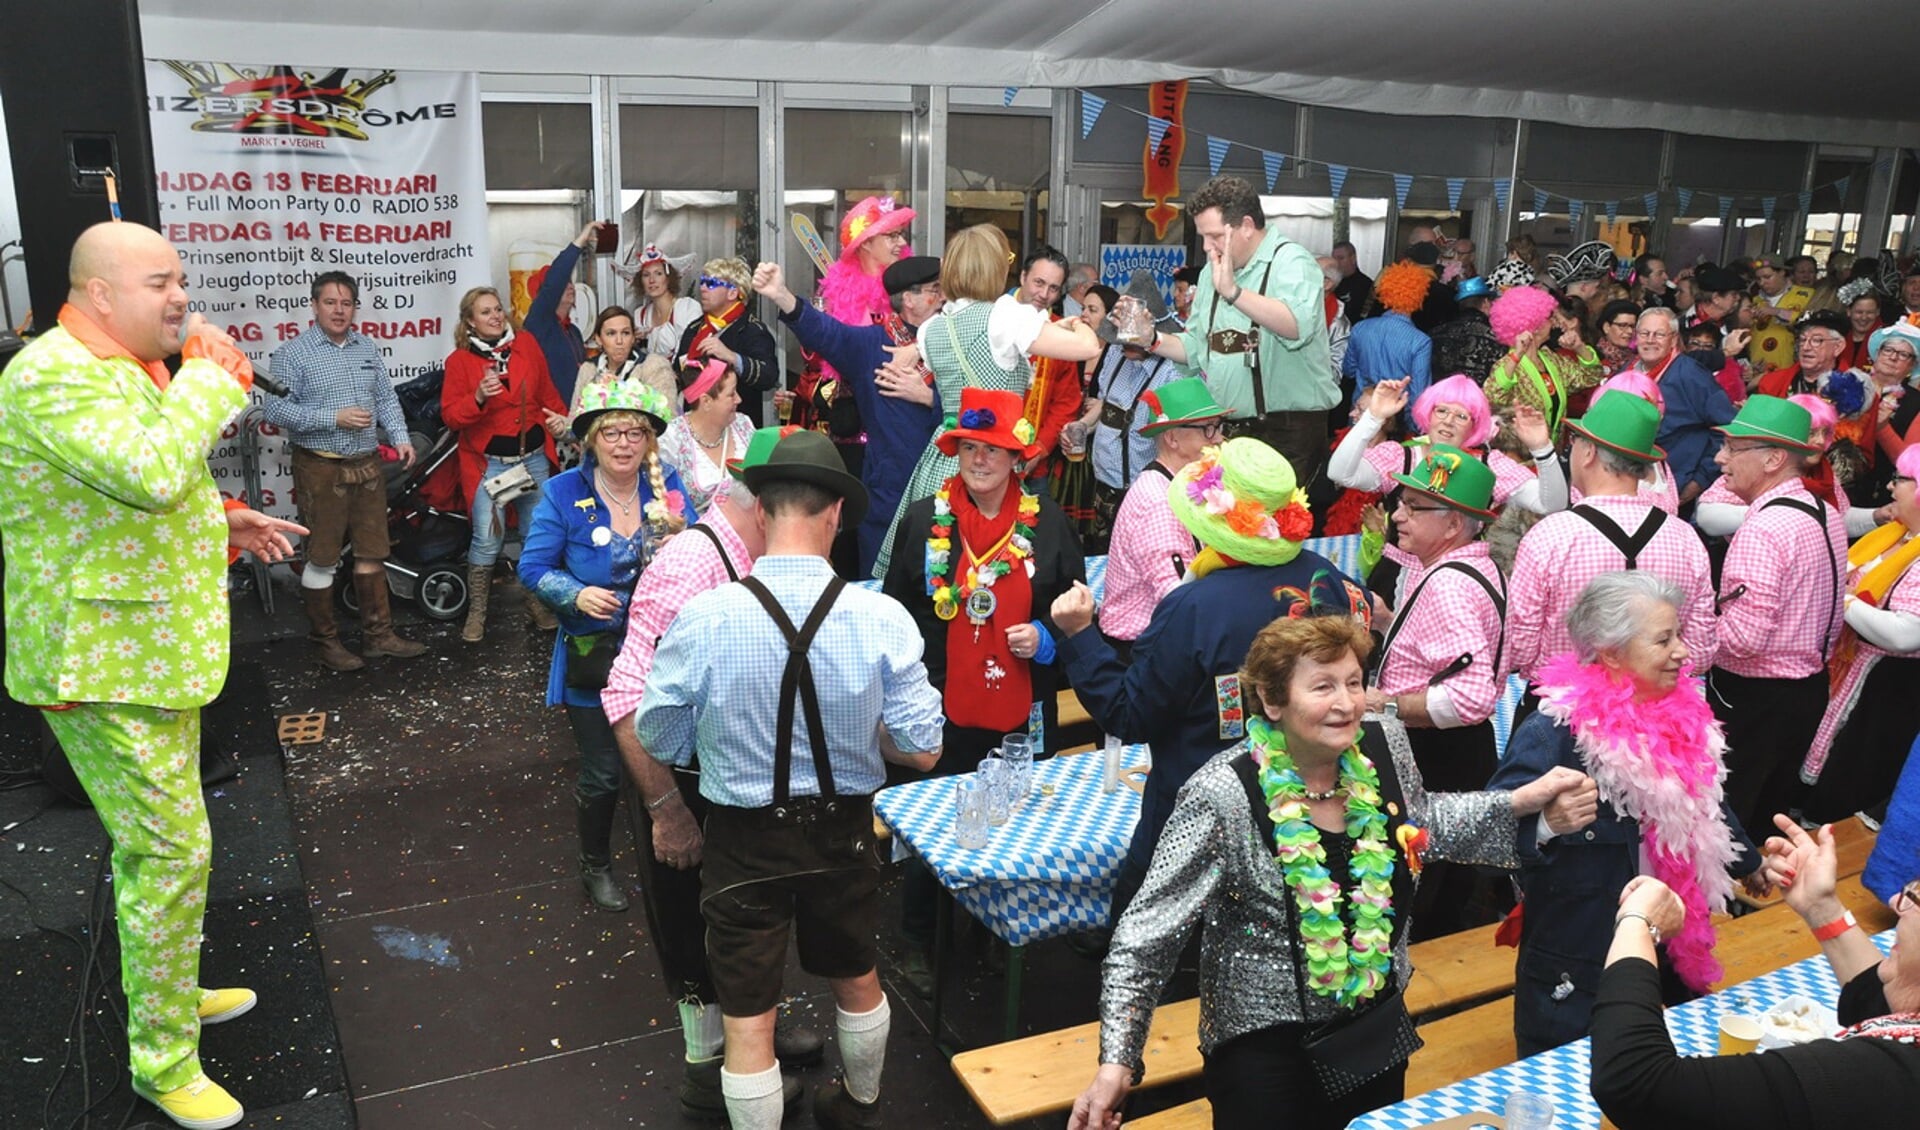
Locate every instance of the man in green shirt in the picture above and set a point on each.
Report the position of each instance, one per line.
(1258, 329)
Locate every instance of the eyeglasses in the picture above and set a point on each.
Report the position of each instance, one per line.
(711, 283)
(1623, 323)
(1656, 335)
(1743, 449)
(1819, 339)
(1907, 897)
(1209, 429)
(1903, 356)
(1449, 412)
(627, 435)
(1412, 509)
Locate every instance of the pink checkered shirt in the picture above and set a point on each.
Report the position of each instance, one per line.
(1452, 617)
(1779, 603)
(684, 568)
(1563, 552)
(1147, 539)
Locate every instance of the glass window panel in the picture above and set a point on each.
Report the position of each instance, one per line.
(690, 177)
(537, 144)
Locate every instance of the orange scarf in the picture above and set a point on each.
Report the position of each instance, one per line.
(101, 344)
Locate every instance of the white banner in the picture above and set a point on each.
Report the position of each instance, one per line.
(270, 174)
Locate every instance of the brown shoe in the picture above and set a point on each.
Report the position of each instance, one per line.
(325, 631)
(539, 616)
(479, 591)
(376, 619)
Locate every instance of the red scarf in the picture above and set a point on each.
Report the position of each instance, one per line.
(713, 325)
(971, 700)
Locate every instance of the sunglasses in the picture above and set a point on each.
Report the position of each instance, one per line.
(711, 283)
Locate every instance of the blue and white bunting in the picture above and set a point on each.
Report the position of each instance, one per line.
(1575, 208)
(1651, 201)
(1613, 211)
(1216, 153)
(1766, 207)
(1455, 186)
(1841, 186)
(1806, 201)
(1008, 95)
(1090, 107)
(1157, 131)
(1502, 192)
(1539, 201)
(1402, 184)
(1685, 196)
(1726, 209)
(1272, 162)
(1337, 178)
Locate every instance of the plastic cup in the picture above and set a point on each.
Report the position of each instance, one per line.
(998, 784)
(1528, 1111)
(1739, 1034)
(1110, 765)
(969, 813)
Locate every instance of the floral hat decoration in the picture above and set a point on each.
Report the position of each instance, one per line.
(989, 416)
(1241, 500)
(873, 216)
(597, 397)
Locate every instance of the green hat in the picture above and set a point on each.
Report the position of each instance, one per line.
(758, 448)
(1452, 476)
(599, 396)
(810, 457)
(1185, 401)
(1774, 422)
(1240, 499)
(1626, 424)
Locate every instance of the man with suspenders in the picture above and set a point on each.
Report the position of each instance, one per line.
(789, 768)
(1779, 605)
(1440, 661)
(668, 808)
(1151, 549)
(1612, 528)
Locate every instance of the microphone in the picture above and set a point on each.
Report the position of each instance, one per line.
(269, 386)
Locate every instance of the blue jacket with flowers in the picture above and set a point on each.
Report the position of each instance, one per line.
(570, 546)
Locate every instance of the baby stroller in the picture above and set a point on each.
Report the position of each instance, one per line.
(428, 562)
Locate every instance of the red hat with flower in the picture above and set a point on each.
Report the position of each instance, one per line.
(989, 416)
(875, 215)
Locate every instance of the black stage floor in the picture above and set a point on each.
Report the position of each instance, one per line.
(404, 896)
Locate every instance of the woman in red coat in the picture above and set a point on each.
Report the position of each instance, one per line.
(498, 397)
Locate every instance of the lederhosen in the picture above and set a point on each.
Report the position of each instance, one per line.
(809, 861)
(1452, 896)
(671, 897)
(1629, 545)
(1770, 722)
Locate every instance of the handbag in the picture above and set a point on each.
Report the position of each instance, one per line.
(590, 660)
(509, 484)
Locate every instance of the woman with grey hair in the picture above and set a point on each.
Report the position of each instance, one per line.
(1621, 707)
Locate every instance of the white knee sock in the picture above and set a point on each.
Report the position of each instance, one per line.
(317, 576)
(702, 1029)
(863, 1048)
(753, 1101)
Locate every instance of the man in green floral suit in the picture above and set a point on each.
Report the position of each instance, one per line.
(117, 553)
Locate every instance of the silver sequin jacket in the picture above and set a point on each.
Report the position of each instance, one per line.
(1211, 867)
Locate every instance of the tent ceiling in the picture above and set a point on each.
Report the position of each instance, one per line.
(1631, 63)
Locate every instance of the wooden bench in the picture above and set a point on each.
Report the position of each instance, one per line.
(1042, 1074)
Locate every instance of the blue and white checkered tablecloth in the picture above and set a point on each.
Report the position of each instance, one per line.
(1343, 551)
(1049, 870)
(1564, 1074)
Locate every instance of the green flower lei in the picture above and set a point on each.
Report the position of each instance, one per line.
(1348, 969)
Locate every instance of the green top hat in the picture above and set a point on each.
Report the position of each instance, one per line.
(758, 448)
(1626, 424)
(810, 457)
(1454, 477)
(1185, 401)
(1772, 421)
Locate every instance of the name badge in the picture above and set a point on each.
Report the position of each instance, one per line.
(1228, 705)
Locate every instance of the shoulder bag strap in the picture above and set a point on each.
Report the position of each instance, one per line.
(796, 682)
(953, 339)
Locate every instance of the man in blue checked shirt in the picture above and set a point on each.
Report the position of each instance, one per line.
(337, 389)
(790, 770)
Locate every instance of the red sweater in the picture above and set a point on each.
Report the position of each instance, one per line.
(530, 395)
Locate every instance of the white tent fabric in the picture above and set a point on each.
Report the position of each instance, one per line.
(1632, 64)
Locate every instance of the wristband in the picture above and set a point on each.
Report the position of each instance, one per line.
(654, 804)
(1237, 292)
(1652, 930)
(1834, 928)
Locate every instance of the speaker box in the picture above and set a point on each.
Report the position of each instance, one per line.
(74, 88)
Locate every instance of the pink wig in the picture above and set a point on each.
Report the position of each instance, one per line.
(1459, 390)
(1824, 415)
(1520, 309)
(1908, 465)
(1635, 382)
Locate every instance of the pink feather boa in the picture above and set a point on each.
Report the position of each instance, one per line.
(854, 297)
(1662, 764)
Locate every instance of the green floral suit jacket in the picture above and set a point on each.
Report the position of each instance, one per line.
(115, 536)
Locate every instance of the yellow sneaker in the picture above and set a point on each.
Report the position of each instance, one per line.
(200, 1105)
(217, 1006)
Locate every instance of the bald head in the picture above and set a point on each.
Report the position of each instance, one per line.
(129, 280)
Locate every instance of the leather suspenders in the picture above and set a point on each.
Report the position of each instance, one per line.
(796, 682)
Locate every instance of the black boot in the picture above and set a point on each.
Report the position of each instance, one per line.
(835, 1109)
(596, 851)
(700, 1094)
(795, 1044)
